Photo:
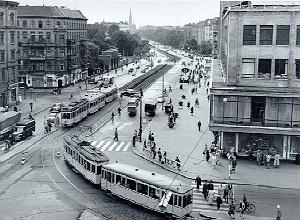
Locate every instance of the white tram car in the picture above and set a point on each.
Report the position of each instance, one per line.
(83, 157)
(96, 101)
(74, 112)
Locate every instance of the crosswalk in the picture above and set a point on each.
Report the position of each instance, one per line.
(201, 204)
(111, 145)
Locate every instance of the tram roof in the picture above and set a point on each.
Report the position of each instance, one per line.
(93, 96)
(74, 104)
(109, 89)
(86, 149)
(151, 178)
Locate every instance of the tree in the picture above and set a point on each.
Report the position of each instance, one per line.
(113, 29)
(205, 48)
(191, 45)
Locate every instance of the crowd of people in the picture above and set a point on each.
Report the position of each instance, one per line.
(263, 158)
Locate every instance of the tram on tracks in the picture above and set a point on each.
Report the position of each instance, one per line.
(150, 190)
(74, 112)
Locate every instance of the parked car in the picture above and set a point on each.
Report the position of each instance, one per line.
(52, 117)
(130, 93)
(160, 99)
(56, 107)
(24, 129)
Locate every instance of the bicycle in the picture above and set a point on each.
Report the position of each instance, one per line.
(249, 207)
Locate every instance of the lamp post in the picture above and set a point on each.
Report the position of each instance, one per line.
(141, 112)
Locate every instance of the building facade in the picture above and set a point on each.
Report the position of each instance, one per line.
(258, 108)
(8, 53)
(49, 43)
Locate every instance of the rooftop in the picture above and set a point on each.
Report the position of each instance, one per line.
(49, 11)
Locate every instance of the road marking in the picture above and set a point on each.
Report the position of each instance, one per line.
(112, 146)
(120, 146)
(126, 147)
(99, 145)
(105, 146)
(124, 125)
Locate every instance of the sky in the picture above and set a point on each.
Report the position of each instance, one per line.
(144, 12)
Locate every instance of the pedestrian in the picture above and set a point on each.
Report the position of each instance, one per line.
(213, 160)
(165, 157)
(258, 157)
(170, 89)
(71, 97)
(180, 104)
(198, 182)
(207, 155)
(152, 137)
(210, 185)
(145, 145)
(188, 104)
(119, 111)
(177, 163)
(31, 106)
(207, 83)
(208, 98)
(221, 190)
(116, 135)
(154, 152)
(206, 91)
(149, 138)
(268, 159)
(278, 213)
(234, 163)
(210, 197)
(205, 190)
(276, 160)
(133, 141)
(159, 154)
(192, 91)
(242, 209)
(219, 202)
(226, 194)
(196, 91)
(231, 210)
(197, 102)
(192, 111)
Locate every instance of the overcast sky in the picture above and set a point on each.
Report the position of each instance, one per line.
(144, 12)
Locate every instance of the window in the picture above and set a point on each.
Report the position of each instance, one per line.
(2, 56)
(18, 36)
(171, 200)
(248, 67)
(62, 66)
(249, 35)
(24, 35)
(12, 37)
(175, 199)
(48, 64)
(142, 188)
(12, 19)
(118, 179)
(266, 35)
(131, 184)
(281, 67)
(62, 52)
(298, 35)
(297, 69)
(48, 52)
(264, 68)
(13, 54)
(283, 35)
(93, 168)
(58, 23)
(48, 36)
(187, 200)
(32, 24)
(40, 24)
(1, 19)
(24, 24)
(48, 24)
(32, 35)
(2, 37)
(3, 75)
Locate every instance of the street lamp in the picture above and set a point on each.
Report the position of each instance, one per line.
(141, 112)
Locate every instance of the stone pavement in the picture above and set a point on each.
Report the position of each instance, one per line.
(185, 141)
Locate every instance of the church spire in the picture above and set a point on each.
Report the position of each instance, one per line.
(130, 18)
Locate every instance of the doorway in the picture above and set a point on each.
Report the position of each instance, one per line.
(258, 106)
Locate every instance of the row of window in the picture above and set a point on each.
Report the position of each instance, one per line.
(13, 75)
(11, 35)
(74, 113)
(265, 68)
(49, 24)
(40, 66)
(11, 19)
(145, 189)
(86, 164)
(96, 102)
(266, 35)
(12, 56)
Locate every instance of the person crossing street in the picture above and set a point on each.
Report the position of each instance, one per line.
(198, 182)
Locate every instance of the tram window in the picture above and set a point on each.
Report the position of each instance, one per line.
(118, 179)
(189, 199)
(171, 200)
(93, 168)
(88, 166)
(131, 184)
(123, 181)
(103, 174)
(142, 188)
(179, 201)
(66, 116)
(112, 178)
(98, 170)
(175, 199)
(162, 194)
(73, 114)
(108, 176)
(153, 193)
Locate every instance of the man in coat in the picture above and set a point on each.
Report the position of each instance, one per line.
(198, 182)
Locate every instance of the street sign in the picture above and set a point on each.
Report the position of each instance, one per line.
(185, 70)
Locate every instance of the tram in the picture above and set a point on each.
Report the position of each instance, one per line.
(110, 93)
(153, 191)
(96, 102)
(83, 157)
(74, 112)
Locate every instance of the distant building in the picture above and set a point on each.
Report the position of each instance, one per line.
(49, 39)
(8, 53)
(111, 59)
(132, 28)
(258, 107)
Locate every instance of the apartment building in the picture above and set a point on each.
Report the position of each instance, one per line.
(258, 108)
(49, 43)
(8, 53)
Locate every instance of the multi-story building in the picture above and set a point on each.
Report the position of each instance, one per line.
(259, 105)
(8, 53)
(49, 39)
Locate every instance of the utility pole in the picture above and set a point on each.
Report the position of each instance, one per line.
(162, 93)
(141, 112)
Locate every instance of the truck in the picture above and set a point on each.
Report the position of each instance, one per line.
(150, 107)
(132, 106)
(24, 129)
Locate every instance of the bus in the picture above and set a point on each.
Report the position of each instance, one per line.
(151, 190)
(150, 106)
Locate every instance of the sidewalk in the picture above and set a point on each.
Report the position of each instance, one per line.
(185, 141)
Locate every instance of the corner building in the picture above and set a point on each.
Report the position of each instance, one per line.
(258, 107)
(8, 53)
(49, 40)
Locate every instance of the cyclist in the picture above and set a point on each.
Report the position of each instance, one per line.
(242, 209)
(245, 200)
(231, 210)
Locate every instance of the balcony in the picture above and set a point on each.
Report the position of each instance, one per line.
(37, 57)
(35, 43)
